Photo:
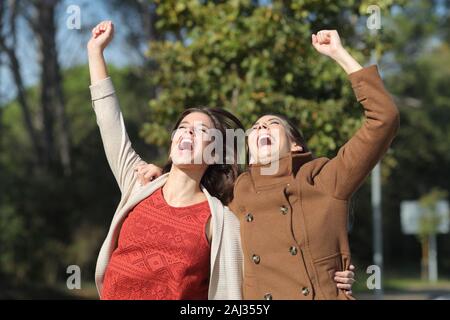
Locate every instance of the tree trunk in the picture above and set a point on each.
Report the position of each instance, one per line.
(424, 264)
(14, 67)
(52, 98)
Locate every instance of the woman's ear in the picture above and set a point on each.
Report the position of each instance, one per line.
(295, 147)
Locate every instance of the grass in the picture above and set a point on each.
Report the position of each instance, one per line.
(402, 286)
(396, 286)
(399, 284)
(34, 291)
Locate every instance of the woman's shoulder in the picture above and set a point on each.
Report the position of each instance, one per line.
(243, 178)
(242, 184)
(312, 169)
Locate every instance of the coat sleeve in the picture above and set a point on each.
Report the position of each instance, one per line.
(342, 175)
(120, 155)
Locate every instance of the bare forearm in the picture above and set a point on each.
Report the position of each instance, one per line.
(346, 61)
(97, 66)
(102, 35)
(328, 43)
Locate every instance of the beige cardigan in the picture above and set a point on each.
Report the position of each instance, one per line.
(226, 253)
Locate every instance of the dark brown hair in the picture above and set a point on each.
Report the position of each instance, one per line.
(218, 179)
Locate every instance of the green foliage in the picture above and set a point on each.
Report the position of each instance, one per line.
(431, 219)
(417, 73)
(253, 59)
(48, 221)
(422, 143)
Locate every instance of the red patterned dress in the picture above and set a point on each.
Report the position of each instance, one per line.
(162, 254)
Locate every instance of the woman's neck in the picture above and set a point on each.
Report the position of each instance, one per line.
(182, 187)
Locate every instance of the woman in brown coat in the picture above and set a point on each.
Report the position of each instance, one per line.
(293, 208)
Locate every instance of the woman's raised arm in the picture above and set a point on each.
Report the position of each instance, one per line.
(342, 175)
(328, 43)
(120, 155)
(102, 35)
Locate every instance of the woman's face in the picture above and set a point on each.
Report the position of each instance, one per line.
(268, 140)
(190, 139)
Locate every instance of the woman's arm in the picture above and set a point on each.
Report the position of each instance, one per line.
(102, 35)
(342, 175)
(328, 43)
(120, 155)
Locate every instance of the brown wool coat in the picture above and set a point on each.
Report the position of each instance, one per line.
(294, 223)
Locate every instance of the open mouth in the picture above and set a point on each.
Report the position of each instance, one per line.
(186, 144)
(264, 140)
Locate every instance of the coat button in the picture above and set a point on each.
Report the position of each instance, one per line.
(249, 217)
(284, 209)
(267, 296)
(293, 250)
(256, 259)
(305, 291)
(288, 190)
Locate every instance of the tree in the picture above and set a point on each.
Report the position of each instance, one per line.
(8, 41)
(416, 74)
(52, 143)
(253, 58)
(52, 97)
(49, 221)
(429, 224)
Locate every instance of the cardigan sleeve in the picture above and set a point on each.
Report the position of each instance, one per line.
(230, 261)
(343, 175)
(118, 149)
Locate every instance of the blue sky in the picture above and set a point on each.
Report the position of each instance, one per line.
(71, 44)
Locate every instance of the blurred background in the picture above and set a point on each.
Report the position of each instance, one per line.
(58, 196)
